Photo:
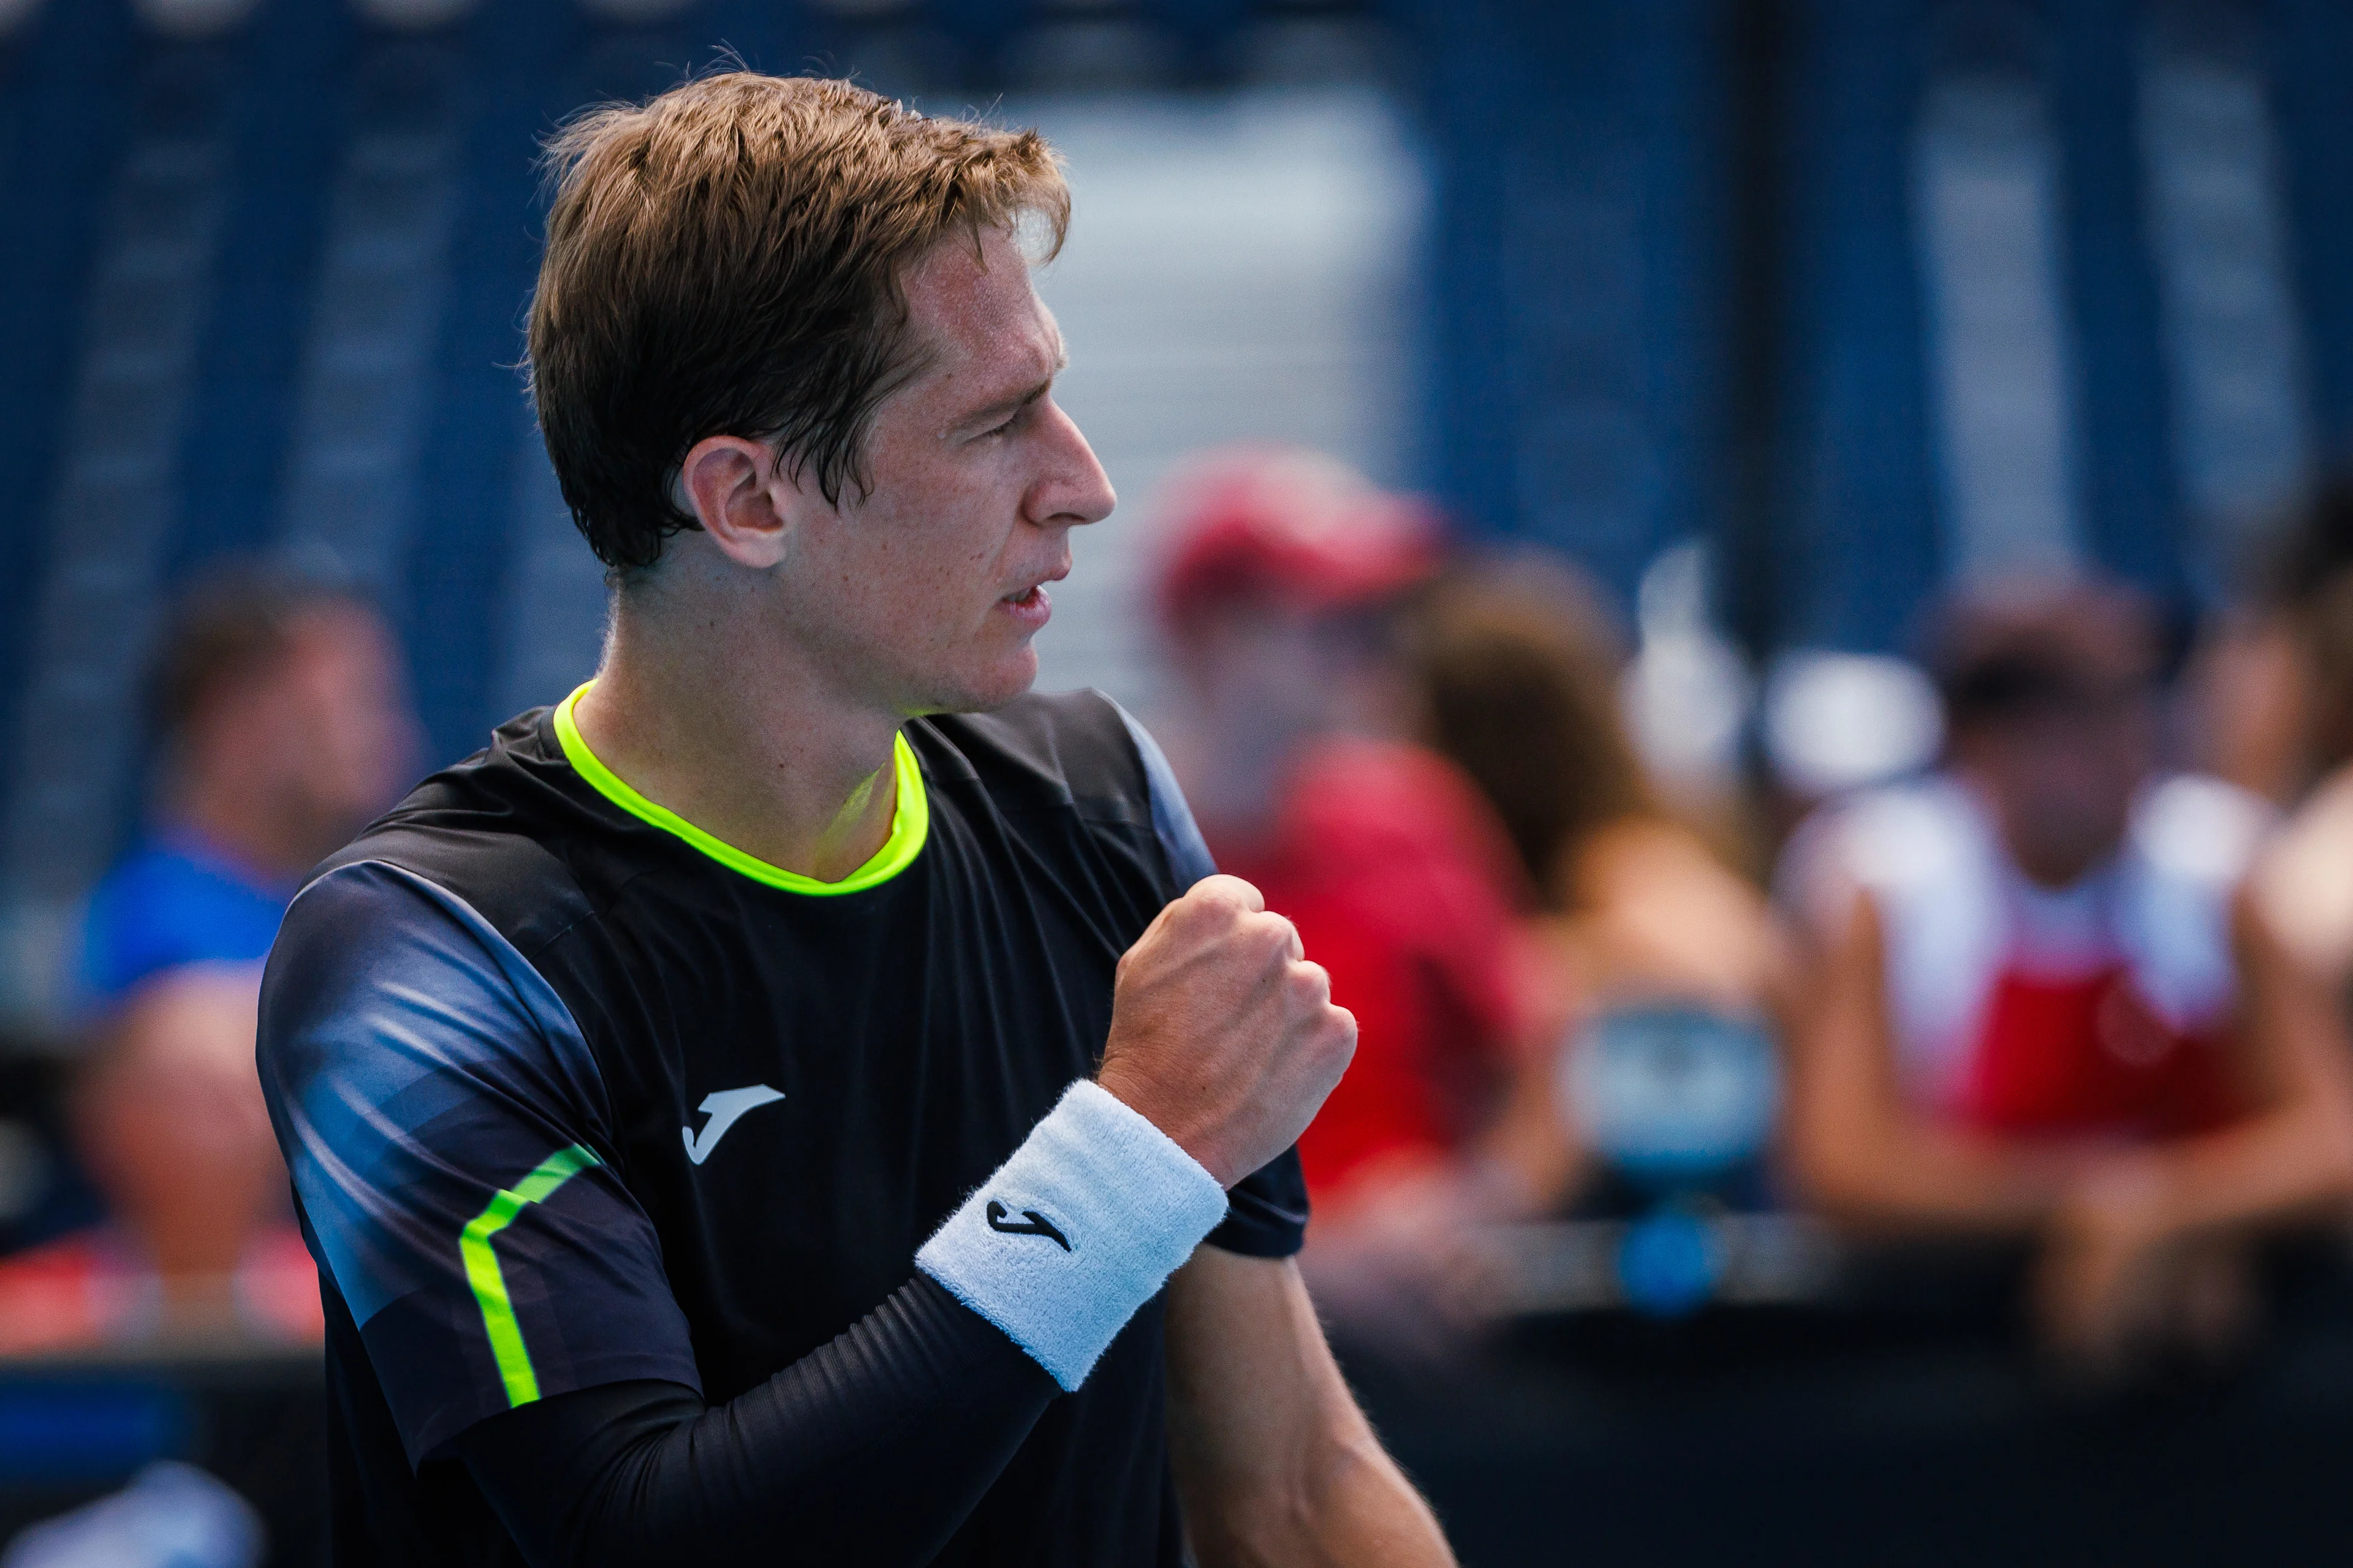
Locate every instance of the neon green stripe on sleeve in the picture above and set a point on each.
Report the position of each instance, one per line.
(490, 1286)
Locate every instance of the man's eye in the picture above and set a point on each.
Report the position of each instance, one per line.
(1011, 421)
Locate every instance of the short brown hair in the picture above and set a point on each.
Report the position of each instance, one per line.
(234, 624)
(2012, 649)
(728, 259)
(1519, 672)
(2310, 588)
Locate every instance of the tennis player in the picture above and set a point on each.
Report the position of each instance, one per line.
(771, 1107)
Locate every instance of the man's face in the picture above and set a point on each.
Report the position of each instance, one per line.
(324, 735)
(2061, 778)
(347, 706)
(1275, 676)
(929, 587)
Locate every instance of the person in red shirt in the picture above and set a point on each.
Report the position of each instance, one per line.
(2039, 1002)
(1279, 596)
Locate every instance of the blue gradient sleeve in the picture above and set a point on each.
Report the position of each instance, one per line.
(446, 1127)
(1172, 818)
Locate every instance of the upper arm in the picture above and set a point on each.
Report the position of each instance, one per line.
(1253, 1388)
(1274, 1462)
(1181, 844)
(2293, 1038)
(444, 1126)
(1843, 1089)
(1173, 818)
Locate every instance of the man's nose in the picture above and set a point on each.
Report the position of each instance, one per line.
(1080, 491)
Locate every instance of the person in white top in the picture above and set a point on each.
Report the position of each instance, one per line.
(2036, 1002)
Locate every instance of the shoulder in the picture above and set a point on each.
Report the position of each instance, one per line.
(161, 907)
(1897, 836)
(2200, 830)
(1912, 846)
(2303, 881)
(154, 870)
(1654, 864)
(164, 883)
(384, 978)
(1078, 752)
(2192, 841)
(498, 832)
(1388, 805)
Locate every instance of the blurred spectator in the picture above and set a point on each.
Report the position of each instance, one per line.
(279, 730)
(2038, 1004)
(1280, 599)
(2304, 881)
(1653, 958)
(2274, 680)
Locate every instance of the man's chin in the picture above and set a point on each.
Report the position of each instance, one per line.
(983, 691)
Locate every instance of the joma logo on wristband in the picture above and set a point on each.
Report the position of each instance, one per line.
(1039, 1224)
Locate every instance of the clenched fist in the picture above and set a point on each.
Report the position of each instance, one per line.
(1222, 1035)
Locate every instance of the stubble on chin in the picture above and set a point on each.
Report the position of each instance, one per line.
(982, 691)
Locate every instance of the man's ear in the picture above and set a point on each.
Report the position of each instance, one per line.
(734, 487)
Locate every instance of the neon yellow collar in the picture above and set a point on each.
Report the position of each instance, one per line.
(910, 817)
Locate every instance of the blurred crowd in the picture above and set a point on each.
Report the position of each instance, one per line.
(278, 727)
(2067, 993)
(2066, 996)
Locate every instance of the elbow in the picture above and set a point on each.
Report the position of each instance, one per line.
(1349, 1465)
(1343, 1501)
(1276, 1515)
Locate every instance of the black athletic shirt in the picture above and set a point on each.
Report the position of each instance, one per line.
(576, 1098)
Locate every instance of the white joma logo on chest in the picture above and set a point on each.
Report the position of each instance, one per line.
(725, 1107)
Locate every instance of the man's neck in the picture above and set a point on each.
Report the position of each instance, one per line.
(744, 738)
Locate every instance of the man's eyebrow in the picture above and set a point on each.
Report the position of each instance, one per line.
(1015, 401)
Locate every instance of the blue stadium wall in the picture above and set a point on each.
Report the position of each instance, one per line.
(1677, 293)
(1671, 278)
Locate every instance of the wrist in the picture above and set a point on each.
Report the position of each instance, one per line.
(1142, 1097)
(1076, 1231)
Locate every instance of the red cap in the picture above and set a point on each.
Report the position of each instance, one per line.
(1282, 525)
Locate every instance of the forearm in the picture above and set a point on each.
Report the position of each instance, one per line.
(821, 1455)
(1274, 1462)
(880, 1441)
(2287, 1162)
(2296, 1155)
(1344, 1504)
(1907, 1174)
(1860, 1147)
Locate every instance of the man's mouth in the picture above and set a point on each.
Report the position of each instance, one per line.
(1031, 604)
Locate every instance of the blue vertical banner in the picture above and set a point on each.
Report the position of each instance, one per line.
(2312, 54)
(1860, 548)
(1578, 272)
(2132, 508)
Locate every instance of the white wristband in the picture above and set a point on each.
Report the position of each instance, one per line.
(1081, 1227)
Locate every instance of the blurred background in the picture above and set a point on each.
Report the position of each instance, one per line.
(1761, 576)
